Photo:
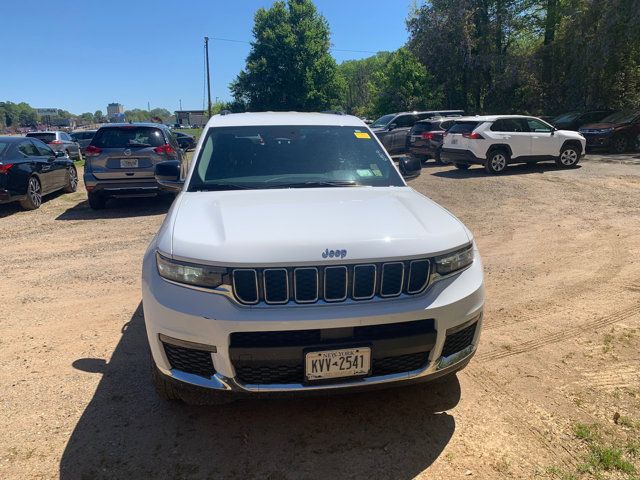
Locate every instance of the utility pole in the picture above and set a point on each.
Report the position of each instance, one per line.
(180, 104)
(148, 106)
(206, 52)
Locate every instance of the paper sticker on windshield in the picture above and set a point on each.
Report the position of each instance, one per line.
(376, 171)
(365, 173)
(364, 135)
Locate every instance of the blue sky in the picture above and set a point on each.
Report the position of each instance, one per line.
(79, 56)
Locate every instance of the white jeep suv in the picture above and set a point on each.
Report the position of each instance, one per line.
(498, 140)
(296, 258)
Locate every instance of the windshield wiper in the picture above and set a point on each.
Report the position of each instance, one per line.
(315, 184)
(209, 187)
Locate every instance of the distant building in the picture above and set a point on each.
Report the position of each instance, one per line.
(115, 110)
(191, 117)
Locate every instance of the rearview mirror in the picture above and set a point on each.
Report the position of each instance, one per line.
(168, 175)
(410, 167)
(60, 154)
(391, 126)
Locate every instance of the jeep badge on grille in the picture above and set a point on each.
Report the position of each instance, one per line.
(334, 253)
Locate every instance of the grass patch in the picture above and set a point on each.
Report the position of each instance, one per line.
(585, 432)
(609, 459)
(196, 132)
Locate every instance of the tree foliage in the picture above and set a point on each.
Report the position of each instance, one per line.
(530, 55)
(138, 115)
(17, 114)
(289, 66)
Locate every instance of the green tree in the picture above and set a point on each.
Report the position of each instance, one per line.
(99, 116)
(289, 66)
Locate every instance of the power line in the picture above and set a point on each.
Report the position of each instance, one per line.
(232, 40)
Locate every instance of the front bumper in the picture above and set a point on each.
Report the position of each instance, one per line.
(597, 140)
(182, 317)
(454, 155)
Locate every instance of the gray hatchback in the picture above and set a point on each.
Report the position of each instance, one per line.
(121, 158)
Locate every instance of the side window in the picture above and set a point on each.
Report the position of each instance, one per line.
(447, 125)
(43, 149)
(509, 125)
(536, 125)
(404, 121)
(28, 149)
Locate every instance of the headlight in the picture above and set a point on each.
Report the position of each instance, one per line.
(190, 273)
(454, 261)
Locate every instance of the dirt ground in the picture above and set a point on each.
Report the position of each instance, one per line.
(554, 391)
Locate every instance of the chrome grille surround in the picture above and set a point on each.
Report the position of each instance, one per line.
(272, 282)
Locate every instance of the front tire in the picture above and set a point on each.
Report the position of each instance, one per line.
(72, 180)
(33, 199)
(437, 158)
(163, 387)
(462, 166)
(619, 144)
(569, 157)
(97, 201)
(496, 162)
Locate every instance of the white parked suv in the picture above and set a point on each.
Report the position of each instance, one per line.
(496, 141)
(296, 258)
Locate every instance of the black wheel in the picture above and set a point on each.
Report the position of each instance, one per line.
(462, 166)
(619, 144)
(72, 180)
(569, 156)
(496, 162)
(33, 199)
(97, 201)
(437, 158)
(164, 388)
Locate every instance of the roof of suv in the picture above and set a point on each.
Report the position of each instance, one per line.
(134, 124)
(283, 118)
(487, 118)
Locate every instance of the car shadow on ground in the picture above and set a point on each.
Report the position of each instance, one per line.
(126, 431)
(478, 171)
(119, 208)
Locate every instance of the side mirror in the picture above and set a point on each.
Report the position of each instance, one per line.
(60, 154)
(392, 126)
(410, 167)
(168, 175)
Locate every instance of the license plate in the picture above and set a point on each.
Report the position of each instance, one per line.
(328, 364)
(454, 141)
(128, 163)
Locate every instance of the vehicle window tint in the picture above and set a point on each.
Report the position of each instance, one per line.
(45, 137)
(463, 127)
(128, 137)
(447, 125)
(404, 121)
(29, 149)
(3, 148)
(279, 156)
(539, 126)
(64, 136)
(426, 115)
(508, 125)
(420, 127)
(44, 150)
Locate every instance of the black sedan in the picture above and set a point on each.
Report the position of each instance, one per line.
(30, 169)
(186, 141)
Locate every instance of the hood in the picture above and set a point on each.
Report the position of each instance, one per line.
(296, 226)
(599, 126)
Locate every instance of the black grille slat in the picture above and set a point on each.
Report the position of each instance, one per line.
(364, 281)
(399, 364)
(189, 360)
(246, 285)
(306, 285)
(284, 338)
(335, 283)
(276, 286)
(392, 279)
(458, 341)
(270, 374)
(418, 276)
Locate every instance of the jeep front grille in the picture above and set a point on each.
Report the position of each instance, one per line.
(335, 283)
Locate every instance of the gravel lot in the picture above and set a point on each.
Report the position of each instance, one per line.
(559, 353)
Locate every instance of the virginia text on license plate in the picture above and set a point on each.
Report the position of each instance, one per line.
(348, 362)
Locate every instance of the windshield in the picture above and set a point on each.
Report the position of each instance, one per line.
(463, 127)
(298, 156)
(3, 147)
(620, 117)
(567, 117)
(128, 137)
(383, 121)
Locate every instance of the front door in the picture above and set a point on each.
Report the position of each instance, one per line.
(544, 143)
(54, 167)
